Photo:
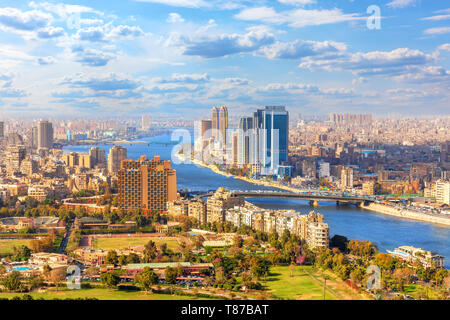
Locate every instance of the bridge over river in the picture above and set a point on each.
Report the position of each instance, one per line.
(313, 197)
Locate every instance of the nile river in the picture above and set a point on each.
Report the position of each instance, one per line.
(385, 231)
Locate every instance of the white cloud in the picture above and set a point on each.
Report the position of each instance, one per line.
(438, 17)
(225, 44)
(400, 3)
(393, 62)
(302, 48)
(180, 3)
(297, 2)
(61, 9)
(297, 18)
(437, 31)
(14, 19)
(174, 18)
(46, 60)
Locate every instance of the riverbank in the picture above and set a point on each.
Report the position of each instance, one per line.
(376, 207)
(246, 179)
(408, 214)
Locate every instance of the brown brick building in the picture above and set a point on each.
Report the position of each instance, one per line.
(146, 184)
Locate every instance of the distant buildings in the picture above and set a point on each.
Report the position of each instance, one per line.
(146, 184)
(350, 119)
(116, 155)
(2, 129)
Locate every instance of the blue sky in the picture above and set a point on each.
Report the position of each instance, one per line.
(181, 57)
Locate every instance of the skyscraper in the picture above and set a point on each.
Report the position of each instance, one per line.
(219, 123)
(45, 135)
(244, 132)
(202, 134)
(34, 137)
(270, 138)
(115, 157)
(145, 122)
(2, 129)
(146, 184)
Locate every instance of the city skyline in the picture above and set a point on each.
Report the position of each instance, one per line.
(170, 57)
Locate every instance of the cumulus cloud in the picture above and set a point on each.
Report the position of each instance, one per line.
(110, 82)
(372, 63)
(185, 78)
(107, 33)
(228, 44)
(50, 32)
(46, 60)
(92, 57)
(174, 18)
(302, 48)
(15, 19)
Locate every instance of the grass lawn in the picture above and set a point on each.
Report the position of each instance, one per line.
(123, 243)
(299, 287)
(306, 284)
(6, 246)
(100, 294)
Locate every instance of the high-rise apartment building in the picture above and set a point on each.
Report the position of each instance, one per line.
(202, 134)
(347, 178)
(445, 153)
(45, 135)
(34, 137)
(219, 123)
(115, 157)
(14, 157)
(97, 155)
(145, 122)
(146, 184)
(443, 192)
(244, 138)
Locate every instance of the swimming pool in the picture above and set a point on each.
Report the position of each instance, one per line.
(22, 268)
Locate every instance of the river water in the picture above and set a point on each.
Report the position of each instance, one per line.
(385, 231)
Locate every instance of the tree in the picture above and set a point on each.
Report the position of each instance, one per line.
(12, 281)
(147, 278)
(238, 241)
(402, 276)
(133, 258)
(57, 275)
(357, 276)
(21, 253)
(150, 251)
(171, 275)
(109, 279)
(112, 258)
